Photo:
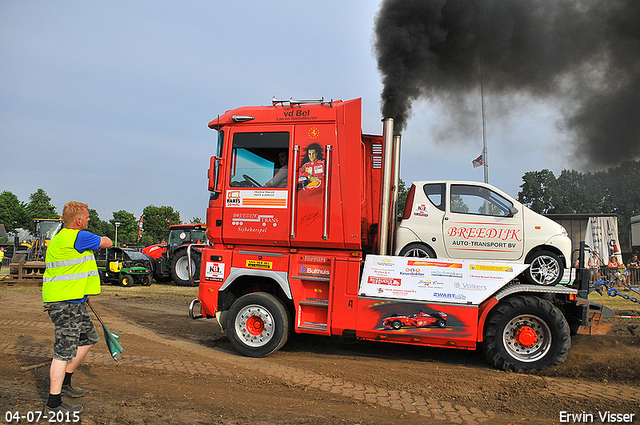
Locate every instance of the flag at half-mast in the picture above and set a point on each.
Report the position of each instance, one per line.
(478, 162)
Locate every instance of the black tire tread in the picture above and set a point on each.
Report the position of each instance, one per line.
(561, 338)
(277, 310)
(174, 276)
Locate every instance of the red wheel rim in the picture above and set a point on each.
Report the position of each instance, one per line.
(526, 336)
(255, 325)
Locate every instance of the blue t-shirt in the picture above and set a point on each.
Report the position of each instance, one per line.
(84, 241)
(87, 240)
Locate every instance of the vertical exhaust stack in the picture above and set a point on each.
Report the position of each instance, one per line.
(385, 210)
(396, 188)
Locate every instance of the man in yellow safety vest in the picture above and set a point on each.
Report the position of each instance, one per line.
(71, 276)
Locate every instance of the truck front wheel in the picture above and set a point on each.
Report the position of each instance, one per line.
(257, 324)
(180, 269)
(526, 333)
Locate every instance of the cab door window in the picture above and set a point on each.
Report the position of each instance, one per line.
(260, 160)
(479, 200)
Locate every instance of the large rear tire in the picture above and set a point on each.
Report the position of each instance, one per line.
(526, 333)
(180, 268)
(258, 324)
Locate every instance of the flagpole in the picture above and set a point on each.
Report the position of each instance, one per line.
(484, 131)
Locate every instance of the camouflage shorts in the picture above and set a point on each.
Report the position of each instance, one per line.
(73, 328)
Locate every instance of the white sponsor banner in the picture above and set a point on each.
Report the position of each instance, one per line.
(602, 237)
(438, 280)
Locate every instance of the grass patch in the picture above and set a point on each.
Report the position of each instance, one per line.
(157, 291)
(166, 292)
(617, 302)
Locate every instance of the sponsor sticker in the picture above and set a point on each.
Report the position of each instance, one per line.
(421, 210)
(412, 271)
(487, 268)
(257, 264)
(446, 273)
(314, 269)
(257, 198)
(434, 264)
(390, 281)
(313, 259)
(449, 296)
(385, 262)
(214, 270)
(468, 286)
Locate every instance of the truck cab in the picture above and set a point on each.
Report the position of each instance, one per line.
(326, 158)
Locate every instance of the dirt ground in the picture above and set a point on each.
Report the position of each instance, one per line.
(179, 371)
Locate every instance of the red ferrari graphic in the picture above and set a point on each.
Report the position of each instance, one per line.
(418, 320)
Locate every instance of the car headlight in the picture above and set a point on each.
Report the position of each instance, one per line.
(564, 231)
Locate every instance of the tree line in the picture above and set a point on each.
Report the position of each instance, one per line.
(615, 190)
(15, 214)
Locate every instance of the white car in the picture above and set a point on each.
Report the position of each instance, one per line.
(472, 220)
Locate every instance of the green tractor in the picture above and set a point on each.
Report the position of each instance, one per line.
(124, 266)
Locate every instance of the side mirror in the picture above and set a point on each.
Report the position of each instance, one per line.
(214, 165)
(513, 211)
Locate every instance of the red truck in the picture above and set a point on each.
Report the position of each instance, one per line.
(310, 254)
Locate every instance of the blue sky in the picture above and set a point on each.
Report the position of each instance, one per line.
(108, 102)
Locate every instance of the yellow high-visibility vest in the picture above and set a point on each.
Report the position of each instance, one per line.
(70, 275)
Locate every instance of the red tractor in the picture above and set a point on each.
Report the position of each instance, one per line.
(169, 260)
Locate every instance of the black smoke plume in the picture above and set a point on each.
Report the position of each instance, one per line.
(585, 55)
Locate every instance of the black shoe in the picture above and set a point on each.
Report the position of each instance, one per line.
(64, 407)
(73, 392)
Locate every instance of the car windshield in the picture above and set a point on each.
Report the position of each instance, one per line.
(134, 255)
